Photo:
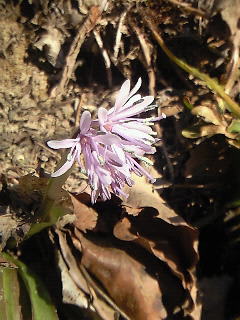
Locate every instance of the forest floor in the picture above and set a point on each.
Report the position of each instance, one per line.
(179, 237)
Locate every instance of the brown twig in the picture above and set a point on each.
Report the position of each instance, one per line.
(105, 55)
(87, 26)
(119, 36)
(186, 7)
(79, 104)
(145, 45)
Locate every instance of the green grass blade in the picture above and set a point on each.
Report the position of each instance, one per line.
(42, 306)
(10, 308)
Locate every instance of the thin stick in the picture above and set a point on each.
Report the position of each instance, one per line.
(105, 55)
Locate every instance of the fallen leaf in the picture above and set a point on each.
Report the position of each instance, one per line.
(86, 217)
(175, 245)
(208, 114)
(50, 41)
(140, 284)
(142, 195)
(204, 130)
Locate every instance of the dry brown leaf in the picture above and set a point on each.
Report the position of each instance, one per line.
(175, 245)
(142, 195)
(230, 11)
(122, 230)
(86, 217)
(142, 286)
(8, 227)
(76, 289)
(209, 114)
(50, 41)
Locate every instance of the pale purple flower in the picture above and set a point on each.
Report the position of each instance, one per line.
(86, 142)
(120, 118)
(106, 149)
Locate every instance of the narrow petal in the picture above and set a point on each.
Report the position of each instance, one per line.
(119, 152)
(136, 109)
(128, 104)
(122, 95)
(135, 88)
(138, 126)
(143, 171)
(108, 139)
(67, 165)
(129, 134)
(61, 144)
(132, 101)
(102, 115)
(85, 122)
(104, 176)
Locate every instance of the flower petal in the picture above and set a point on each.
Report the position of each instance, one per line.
(108, 139)
(119, 152)
(135, 88)
(122, 95)
(130, 134)
(102, 115)
(61, 144)
(67, 165)
(136, 109)
(138, 126)
(85, 122)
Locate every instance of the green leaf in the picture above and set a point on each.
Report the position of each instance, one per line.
(188, 104)
(234, 127)
(41, 304)
(10, 308)
(53, 214)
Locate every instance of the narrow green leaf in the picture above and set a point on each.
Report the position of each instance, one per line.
(188, 104)
(9, 296)
(42, 306)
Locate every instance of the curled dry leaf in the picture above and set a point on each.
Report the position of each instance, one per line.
(141, 285)
(208, 114)
(142, 195)
(76, 288)
(86, 217)
(50, 41)
(199, 131)
(175, 245)
(161, 232)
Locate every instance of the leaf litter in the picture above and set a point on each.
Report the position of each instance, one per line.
(131, 258)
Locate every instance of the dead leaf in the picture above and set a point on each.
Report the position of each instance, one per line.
(140, 284)
(175, 245)
(86, 217)
(50, 41)
(230, 12)
(76, 287)
(199, 131)
(208, 114)
(142, 195)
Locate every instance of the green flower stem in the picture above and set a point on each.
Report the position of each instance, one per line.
(232, 106)
(54, 188)
(50, 209)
